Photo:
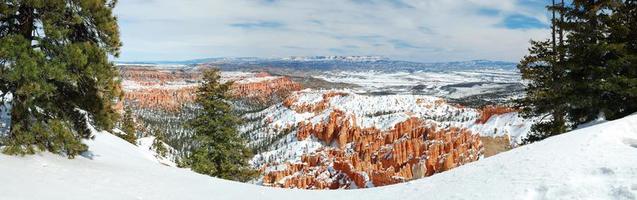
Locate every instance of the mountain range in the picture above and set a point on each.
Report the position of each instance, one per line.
(341, 63)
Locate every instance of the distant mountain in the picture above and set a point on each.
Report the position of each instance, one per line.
(336, 58)
(344, 63)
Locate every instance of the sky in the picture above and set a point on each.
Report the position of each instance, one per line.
(413, 30)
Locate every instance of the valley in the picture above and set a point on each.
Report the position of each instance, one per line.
(342, 127)
(320, 99)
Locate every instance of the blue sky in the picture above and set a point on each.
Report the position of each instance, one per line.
(416, 30)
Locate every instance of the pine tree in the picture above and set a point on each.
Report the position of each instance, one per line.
(54, 62)
(128, 127)
(620, 79)
(542, 98)
(591, 71)
(218, 150)
(158, 144)
(599, 64)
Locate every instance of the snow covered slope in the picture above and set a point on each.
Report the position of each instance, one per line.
(598, 162)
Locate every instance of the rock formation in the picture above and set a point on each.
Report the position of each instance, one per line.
(264, 91)
(338, 139)
(292, 103)
(356, 157)
(167, 99)
(153, 76)
(488, 111)
(170, 89)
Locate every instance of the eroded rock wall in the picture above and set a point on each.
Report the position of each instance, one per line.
(167, 99)
(365, 157)
(168, 90)
(266, 91)
(488, 111)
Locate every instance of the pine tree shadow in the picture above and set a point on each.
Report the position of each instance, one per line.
(630, 142)
(88, 154)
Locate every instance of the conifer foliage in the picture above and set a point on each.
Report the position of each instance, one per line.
(158, 144)
(587, 70)
(54, 61)
(218, 149)
(128, 127)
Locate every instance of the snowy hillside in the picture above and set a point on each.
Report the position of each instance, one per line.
(451, 84)
(384, 112)
(597, 162)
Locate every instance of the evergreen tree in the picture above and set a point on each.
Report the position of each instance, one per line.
(128, 127)
(158, 144)
(218, 150)
(543, 93)
(619, 82)
(54, 61)
(590, 72)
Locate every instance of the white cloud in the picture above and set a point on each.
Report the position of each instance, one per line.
(422, 30)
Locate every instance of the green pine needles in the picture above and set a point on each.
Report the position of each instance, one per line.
(54, 61)
(128, 127)
(218, 150)
(588, 69)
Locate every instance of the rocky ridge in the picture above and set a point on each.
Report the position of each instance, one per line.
(169, 90)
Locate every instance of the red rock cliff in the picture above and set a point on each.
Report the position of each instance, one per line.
(169, 90)
(266, 90)
(167, 99)
(488, 111)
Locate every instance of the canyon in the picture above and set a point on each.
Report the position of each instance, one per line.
(162, 98)
(326, 138)
(412, 149)
(337, 139)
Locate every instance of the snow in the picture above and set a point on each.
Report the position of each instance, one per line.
(596, 162)
(333, 58)
(460, 92)
(381, 112)
(242, 77)
(154, 65)
(5, 107)
(257, 79)
(145, 145)
(129, 85)
(290, 152)
(237, 76)
(449, 84)
(509, 124)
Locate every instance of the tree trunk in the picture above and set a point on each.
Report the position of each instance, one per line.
(26, 21)
(553, 25)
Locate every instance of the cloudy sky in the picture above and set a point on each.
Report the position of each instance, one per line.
(416, 30)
